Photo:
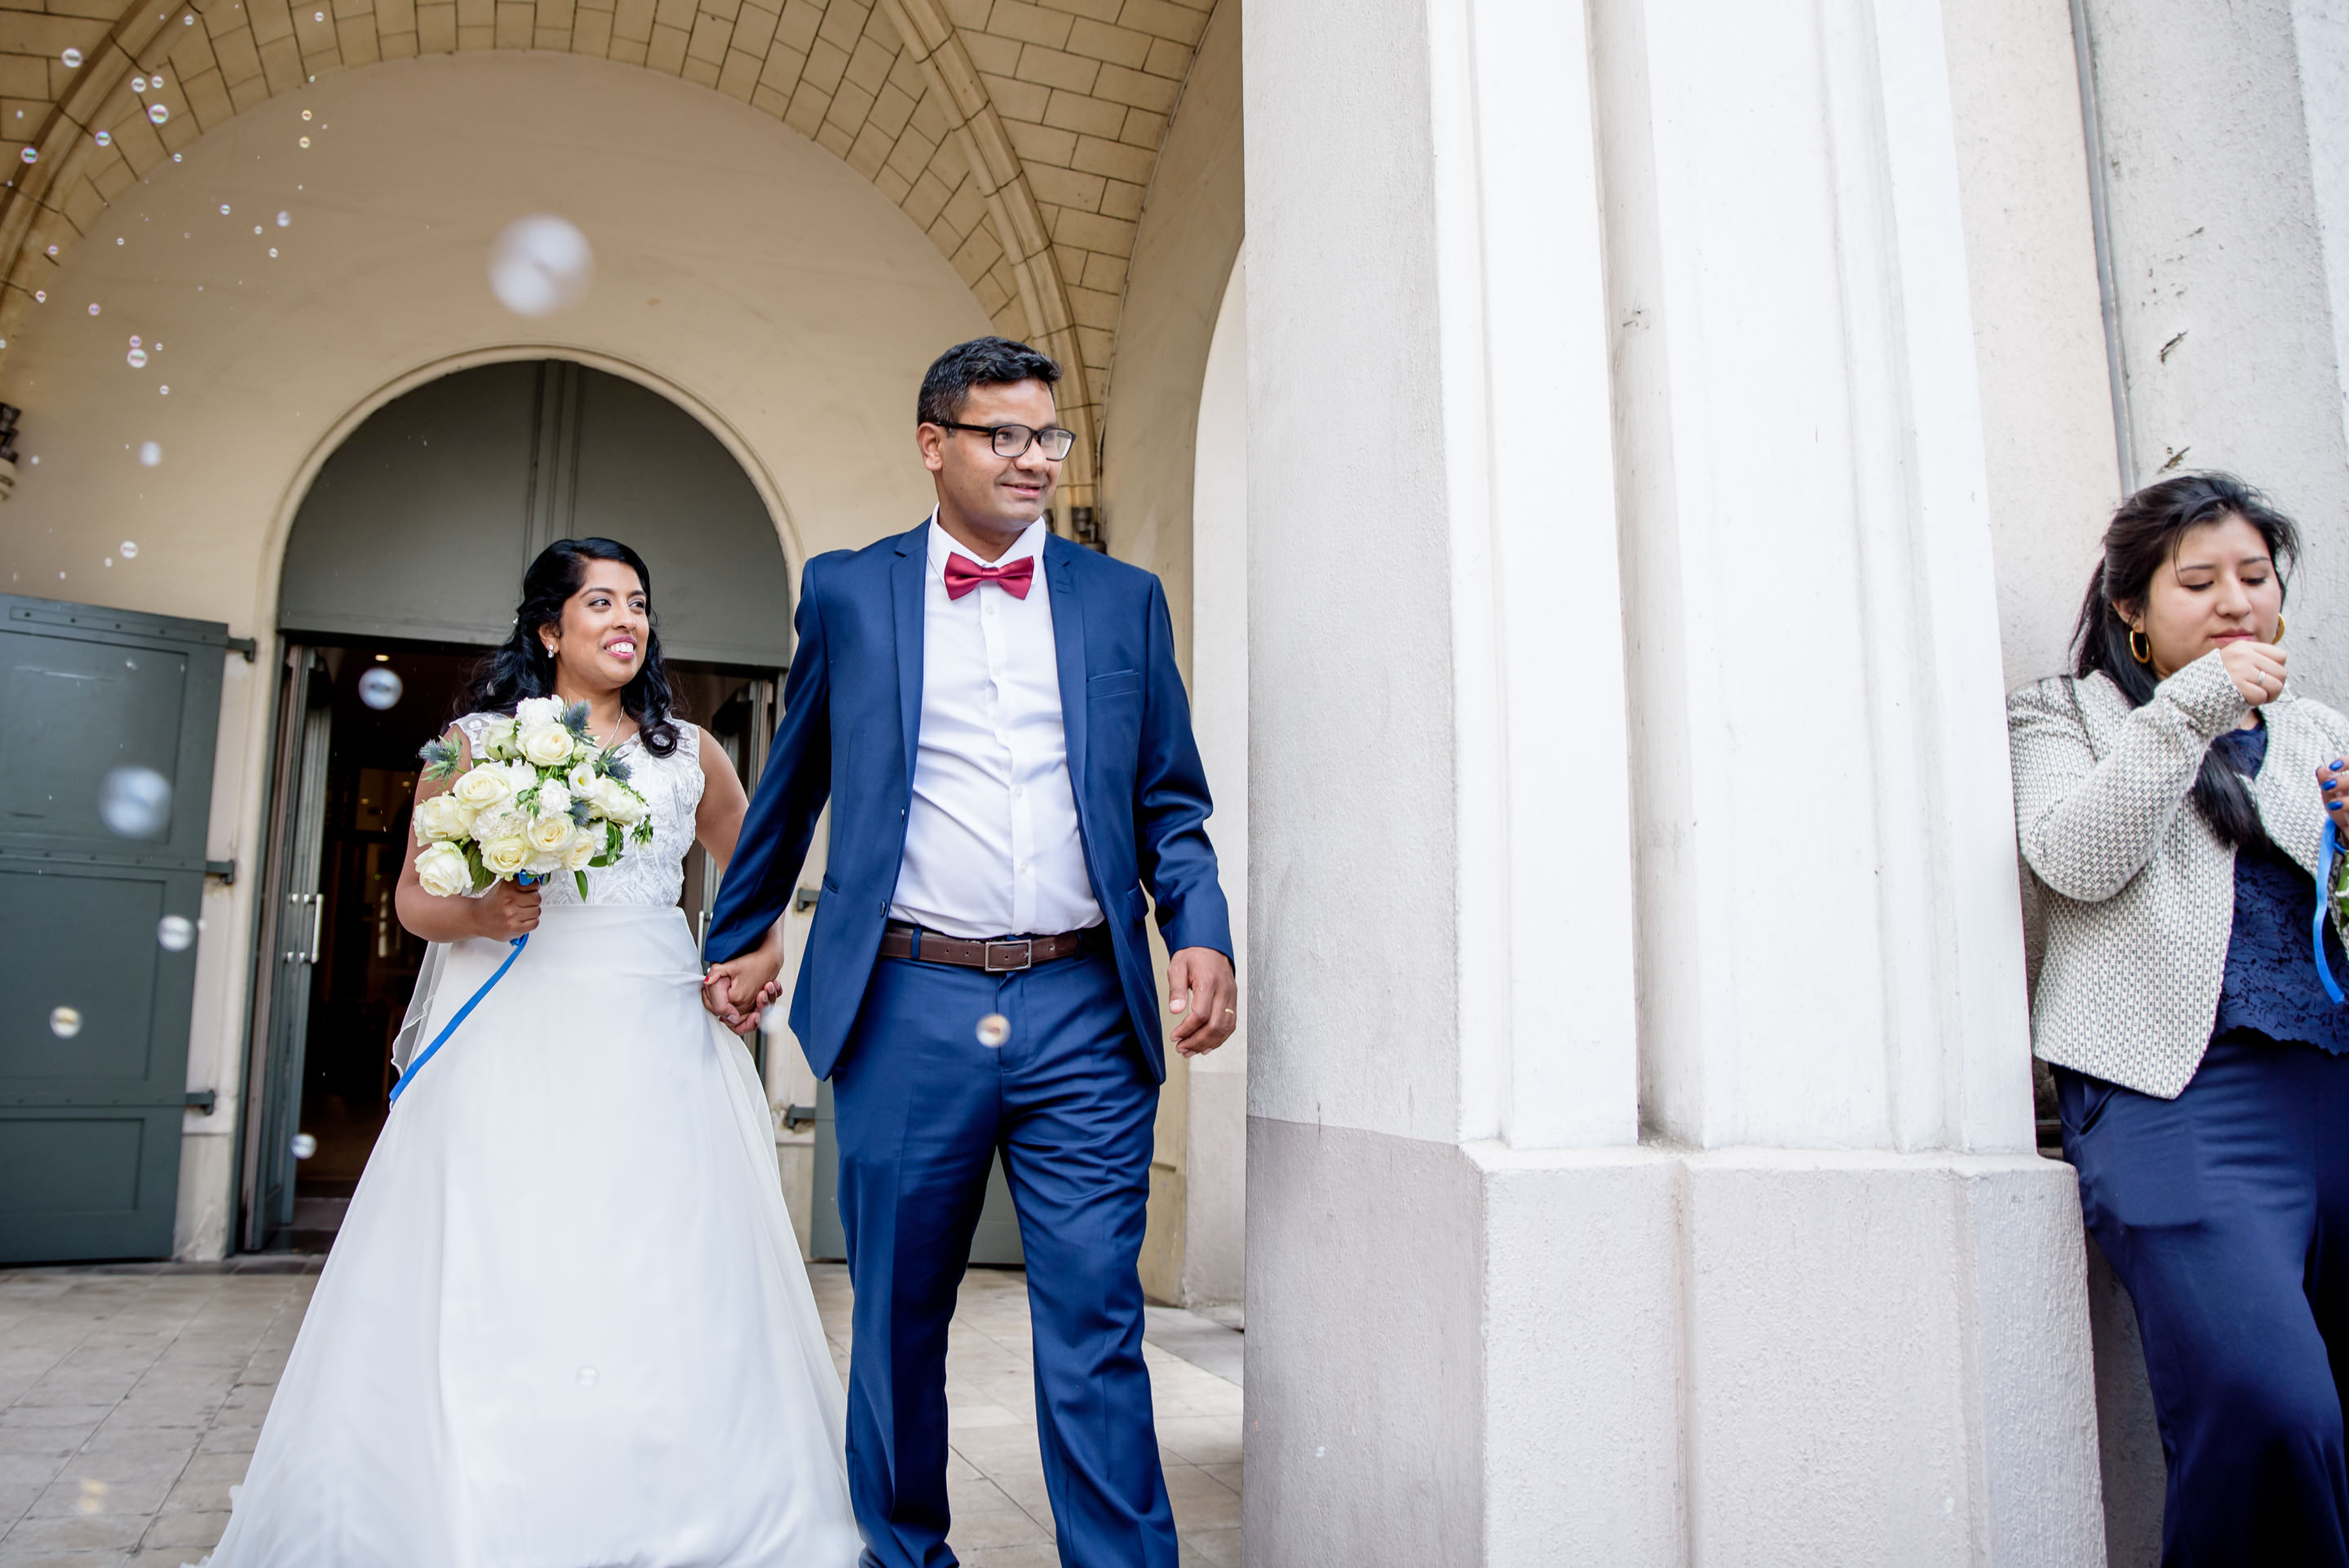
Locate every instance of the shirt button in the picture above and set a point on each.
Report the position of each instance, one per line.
(1019, 792)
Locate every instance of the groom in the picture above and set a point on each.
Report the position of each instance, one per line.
(996, 716)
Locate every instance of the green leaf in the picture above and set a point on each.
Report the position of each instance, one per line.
(583, 885)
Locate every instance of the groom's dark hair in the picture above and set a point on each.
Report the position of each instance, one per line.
(981, 362)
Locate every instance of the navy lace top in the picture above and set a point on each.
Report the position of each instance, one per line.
(2270, 986)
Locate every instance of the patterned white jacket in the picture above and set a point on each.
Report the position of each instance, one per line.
(2136, 892)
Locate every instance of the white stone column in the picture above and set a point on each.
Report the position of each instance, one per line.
(1641, 1160)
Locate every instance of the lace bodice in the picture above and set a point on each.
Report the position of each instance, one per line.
(653, 874)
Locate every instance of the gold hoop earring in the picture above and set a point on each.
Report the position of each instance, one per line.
(2279, 637)
(2140, 648)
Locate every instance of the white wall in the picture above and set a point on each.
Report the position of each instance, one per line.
(2223, 132)
(1213, 1246)
(739, 268)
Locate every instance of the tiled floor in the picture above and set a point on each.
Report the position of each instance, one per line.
(129, 1403)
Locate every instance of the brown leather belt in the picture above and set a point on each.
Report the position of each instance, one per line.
(1002, 956)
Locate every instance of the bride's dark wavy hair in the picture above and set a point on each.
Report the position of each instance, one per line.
(522, 668)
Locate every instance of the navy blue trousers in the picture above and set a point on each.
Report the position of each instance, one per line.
(2226, 1213)
(922, 1107)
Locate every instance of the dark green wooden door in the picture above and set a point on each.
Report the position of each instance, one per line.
(107, 727)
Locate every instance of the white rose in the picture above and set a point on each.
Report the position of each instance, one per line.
(504, 856)
(554, 799)
(484, 788)
(543, 863)
(618, 802)
(534, 711)
(585, 845)
(442, 818)
(583, 780)
(549, 835)
(496, 742)
(548, 745)
(442, 869)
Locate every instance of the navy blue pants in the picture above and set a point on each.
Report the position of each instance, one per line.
(2226, 1213)
(922, 1106)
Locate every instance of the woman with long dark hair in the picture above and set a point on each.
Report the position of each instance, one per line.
(2166, 792)
(564, 1323)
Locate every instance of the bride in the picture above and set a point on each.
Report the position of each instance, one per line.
(565, 1324)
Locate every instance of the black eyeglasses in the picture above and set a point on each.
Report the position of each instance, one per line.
(1013, 440)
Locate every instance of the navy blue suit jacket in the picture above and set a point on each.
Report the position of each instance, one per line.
(852, 714)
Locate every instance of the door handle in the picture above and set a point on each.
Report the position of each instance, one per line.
(308, 952)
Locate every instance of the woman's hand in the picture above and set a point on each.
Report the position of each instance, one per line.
(507, 911)
(738, 990)
(2334, 778)
(2257, 669)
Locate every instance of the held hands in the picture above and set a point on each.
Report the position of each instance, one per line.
(1205, 997)
(2257, 669)
(507, 911)
(738, 990)
(2334, 777)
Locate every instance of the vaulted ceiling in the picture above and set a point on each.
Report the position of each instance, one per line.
(1019, 136)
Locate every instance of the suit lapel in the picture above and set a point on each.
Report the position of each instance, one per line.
(906, 575)
(1069, 646)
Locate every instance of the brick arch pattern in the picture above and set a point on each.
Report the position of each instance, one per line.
(1020, 137)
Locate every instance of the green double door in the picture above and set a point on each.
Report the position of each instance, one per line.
(106, 728)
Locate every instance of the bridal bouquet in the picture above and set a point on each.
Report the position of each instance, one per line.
(540, 798)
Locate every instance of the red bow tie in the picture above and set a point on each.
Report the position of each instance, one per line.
(963, 574)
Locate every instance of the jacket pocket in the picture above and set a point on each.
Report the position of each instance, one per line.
(829, 885)
(1139, 902)
(1112, 683)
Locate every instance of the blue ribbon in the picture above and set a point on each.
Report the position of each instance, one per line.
(523, 940)
(2324, 858)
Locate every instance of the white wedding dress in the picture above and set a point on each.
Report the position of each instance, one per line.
(565, 1324)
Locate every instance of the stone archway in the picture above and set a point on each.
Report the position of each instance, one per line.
(1019, 137)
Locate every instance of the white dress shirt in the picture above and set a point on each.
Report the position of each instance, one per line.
(991, 844)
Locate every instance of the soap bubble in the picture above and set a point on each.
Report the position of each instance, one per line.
(138, 358)
(306, 141)
(150, 453)
(306, 114)
(157, 114)
(30, 155)
(138, 84)
(539, 265)
(285, 219)
(130, 551)
(40, 297)
(72, 59)
(589, 1377)
(166, 391)
(134, 340)
(156, 81)
(105, 138)
(93, 307)
(224, 209)
(303, 1146)
(65, 1023)
(134, 802)
(175, 933)
(256, 228)
(380, 688)
(272, 253)
(993, 1030)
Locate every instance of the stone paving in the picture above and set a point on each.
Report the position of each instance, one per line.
(131, 1399)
